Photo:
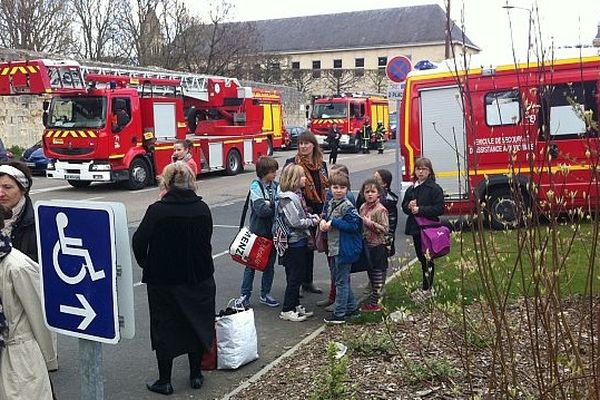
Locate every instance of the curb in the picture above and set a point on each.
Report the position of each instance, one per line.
(254, 378)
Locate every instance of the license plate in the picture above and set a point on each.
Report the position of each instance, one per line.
(73, 177)
(30, 164)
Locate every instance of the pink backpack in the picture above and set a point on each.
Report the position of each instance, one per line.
(435, 237)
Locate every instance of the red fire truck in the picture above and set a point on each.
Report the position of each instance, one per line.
(90, 143)
(348, 112)
(490, 130)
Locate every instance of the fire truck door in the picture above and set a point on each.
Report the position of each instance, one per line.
(443, 138)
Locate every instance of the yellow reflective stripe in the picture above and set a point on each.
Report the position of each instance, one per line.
(232, 141)
(181, 124)
(166, 147)
(116, 156)
(5, 70)
(82, 134)
(91, 134)
(32, 69)
(504, 171)
(65, 134)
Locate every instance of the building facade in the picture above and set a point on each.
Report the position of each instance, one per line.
(345, 52)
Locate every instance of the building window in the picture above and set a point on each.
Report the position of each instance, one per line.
(337, 63)
(316, 66)
(381, 62)
(295, 64)
(359, 62)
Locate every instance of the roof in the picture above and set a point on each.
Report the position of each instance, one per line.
(414, 25)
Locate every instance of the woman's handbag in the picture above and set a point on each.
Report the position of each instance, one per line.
(237, 343)
(435, 237)
(249, 249)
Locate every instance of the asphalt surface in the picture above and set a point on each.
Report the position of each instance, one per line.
(128, 365)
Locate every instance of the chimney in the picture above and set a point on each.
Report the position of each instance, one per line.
(596, 41)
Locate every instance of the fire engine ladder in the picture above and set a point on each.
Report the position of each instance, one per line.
(193, 85)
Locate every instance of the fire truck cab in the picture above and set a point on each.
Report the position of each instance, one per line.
(488, 129)
(349, 112)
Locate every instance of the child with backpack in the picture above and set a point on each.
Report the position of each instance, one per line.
(375, 226)
(296, 229)
(344, 243)
(263, 192)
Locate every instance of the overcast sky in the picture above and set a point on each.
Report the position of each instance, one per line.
(486, 23)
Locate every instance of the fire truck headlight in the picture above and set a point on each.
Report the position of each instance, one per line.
(50, 166)
(100, 167)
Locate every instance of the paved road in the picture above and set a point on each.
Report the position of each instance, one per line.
(129, 364)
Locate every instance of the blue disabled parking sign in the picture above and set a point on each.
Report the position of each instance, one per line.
(78, 269)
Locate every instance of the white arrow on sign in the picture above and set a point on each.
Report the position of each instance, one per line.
(87, 311)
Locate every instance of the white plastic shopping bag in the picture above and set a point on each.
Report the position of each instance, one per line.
(237, 343)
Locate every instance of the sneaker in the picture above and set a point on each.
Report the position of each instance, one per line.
(302, 311)
(291, 316)
(371, 308)
(334, 320)
(242, 302)
(269, 301)
(324, 303)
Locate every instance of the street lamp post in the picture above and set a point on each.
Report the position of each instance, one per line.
(509, 7)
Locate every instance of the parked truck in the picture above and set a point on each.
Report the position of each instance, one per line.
(507, 136)
(119, 125)
(349, 112)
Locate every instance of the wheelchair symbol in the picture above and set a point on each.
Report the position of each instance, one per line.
(72, 247)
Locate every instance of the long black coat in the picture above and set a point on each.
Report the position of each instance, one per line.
(430, 200)
(23, 232)
(172, 245)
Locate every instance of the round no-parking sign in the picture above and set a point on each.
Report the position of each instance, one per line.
(397, 68)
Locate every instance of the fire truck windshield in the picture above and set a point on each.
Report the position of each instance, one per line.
(329, 110)
(77, 112)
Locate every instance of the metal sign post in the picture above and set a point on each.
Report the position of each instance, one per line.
(84, 264)
(395, 92)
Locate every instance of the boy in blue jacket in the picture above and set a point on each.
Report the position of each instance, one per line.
(344, 241)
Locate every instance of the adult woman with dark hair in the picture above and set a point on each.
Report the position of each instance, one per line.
(27, 348)
(172, 245)
(310, 157)
(15, 183)
(424, 198)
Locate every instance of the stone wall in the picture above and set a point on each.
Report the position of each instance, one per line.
(21, 120)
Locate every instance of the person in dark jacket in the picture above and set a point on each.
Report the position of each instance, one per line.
(15, 184)
(173, 247)
(333, 139)
(310, 157)
(263, 192)
(424, 198)
(366, 133)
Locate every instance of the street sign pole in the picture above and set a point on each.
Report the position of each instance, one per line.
(87, 279)
(92, 375)
(398, 186)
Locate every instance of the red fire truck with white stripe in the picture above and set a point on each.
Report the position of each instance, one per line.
(349, 113)
(489, 130)
(224, 121)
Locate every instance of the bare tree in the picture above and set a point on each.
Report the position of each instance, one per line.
(39, 25)
(377, 79)
(141, 31)
(301, 79)
(176, 22)
(97, 21)
(340, 80)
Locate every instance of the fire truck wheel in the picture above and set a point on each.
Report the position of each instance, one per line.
(270, 146)
(503, 209)
(79, 184)
(357, 143)
(233, 166)
(138, 174)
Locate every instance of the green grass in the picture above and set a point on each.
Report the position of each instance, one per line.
(495, 254)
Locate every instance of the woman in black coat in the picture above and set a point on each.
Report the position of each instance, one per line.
(172, 245)
(424, 198)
